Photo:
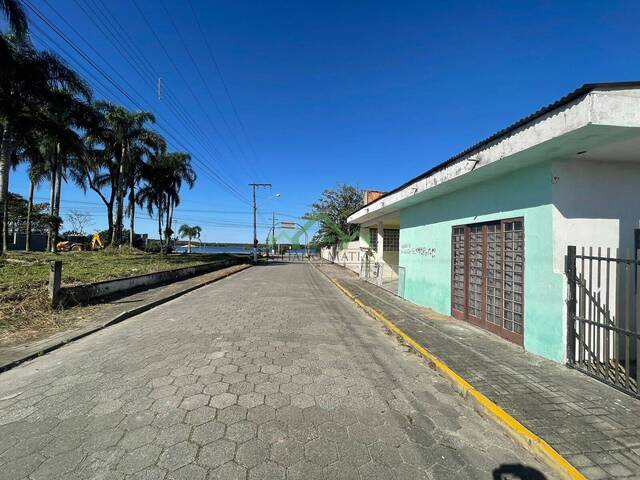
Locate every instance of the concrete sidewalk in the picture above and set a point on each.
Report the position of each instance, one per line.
(596, 428)
(112, 311)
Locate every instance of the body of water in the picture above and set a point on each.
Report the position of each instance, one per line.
(214, 249)
(230, 249)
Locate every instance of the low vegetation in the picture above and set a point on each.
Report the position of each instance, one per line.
(25, 312)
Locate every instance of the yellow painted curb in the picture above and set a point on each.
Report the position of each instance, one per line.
(519, 432)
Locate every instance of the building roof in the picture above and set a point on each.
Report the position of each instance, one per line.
(577, 93)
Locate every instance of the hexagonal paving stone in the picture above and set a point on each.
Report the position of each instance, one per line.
(232, 414)
(305, 471)
(251, 400)
(163, 391)
(379, 471)
(216, 453)
(302, 379)
(166, 419)
(267, 470)
(289, 415)
(287, 452)
(362, 433)
(188, 472)
(251, 453)
(334, 432)
(261, 414)
(139, 459)
(234, 377)
(209, 432)
(342, 471)
(241, 388)
(272, 431)
(291, 388)
(216, 388)
(385, 453)
(302, 400)
(241, 431)
(200, 415)
(229, 471)
(195, 401)
(353, 453)
(223, 400)
(139, 437)
(178, 455)
(151, 473)
(321, 452)
(303, 432)
(174, 434)
(229, 368)
(277, 399)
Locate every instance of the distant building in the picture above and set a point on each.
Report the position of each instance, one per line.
(17, 241)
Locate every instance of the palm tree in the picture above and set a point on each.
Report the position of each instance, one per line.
(33, 88)
(127, 140)
(14, 13)
(164, 175)
(186, 231)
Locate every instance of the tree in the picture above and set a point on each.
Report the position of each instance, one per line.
(36, 89)
(79, 221)
(163, 177)
(188, 232)
(14, 13)
(332, 210)
(127, 141)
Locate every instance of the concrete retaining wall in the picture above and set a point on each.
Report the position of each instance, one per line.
(85, 293)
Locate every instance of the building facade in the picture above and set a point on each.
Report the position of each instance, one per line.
(483, 236)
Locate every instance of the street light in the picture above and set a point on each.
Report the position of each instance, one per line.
(255, 209)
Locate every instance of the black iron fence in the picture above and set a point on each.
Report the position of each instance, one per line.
(603, 337)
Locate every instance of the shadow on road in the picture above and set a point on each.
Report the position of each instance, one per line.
(517, 472)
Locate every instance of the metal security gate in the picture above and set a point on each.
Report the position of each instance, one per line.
(487, 276)
(603, 303)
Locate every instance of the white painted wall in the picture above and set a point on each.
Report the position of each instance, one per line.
(349, 257)
(596, 204)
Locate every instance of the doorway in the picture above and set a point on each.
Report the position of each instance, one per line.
(487, 276)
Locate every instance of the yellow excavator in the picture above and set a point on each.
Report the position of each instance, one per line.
(79, 243)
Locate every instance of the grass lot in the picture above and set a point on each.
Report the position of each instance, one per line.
(25, 312)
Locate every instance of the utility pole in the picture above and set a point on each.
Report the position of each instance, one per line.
(255, 210)
(273, 232)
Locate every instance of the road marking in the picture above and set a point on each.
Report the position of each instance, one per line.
(519, 432)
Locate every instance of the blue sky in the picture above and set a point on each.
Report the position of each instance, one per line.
(366, 93)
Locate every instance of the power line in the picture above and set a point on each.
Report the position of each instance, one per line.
(180, 75)
(112, 39)
(202, 79)
(124, 93)
(224, 84)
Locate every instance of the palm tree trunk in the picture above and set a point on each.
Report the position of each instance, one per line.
(5, 154)
(132, 213)
(56, 230)
(52, 200)
(27, 233)
(117, 237)
(160, 228)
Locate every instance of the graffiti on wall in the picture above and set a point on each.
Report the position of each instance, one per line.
(408, 249)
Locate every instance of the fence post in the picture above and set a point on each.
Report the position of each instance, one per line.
(570, 272)
(55, 278)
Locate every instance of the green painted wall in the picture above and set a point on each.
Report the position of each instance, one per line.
(425, 249)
